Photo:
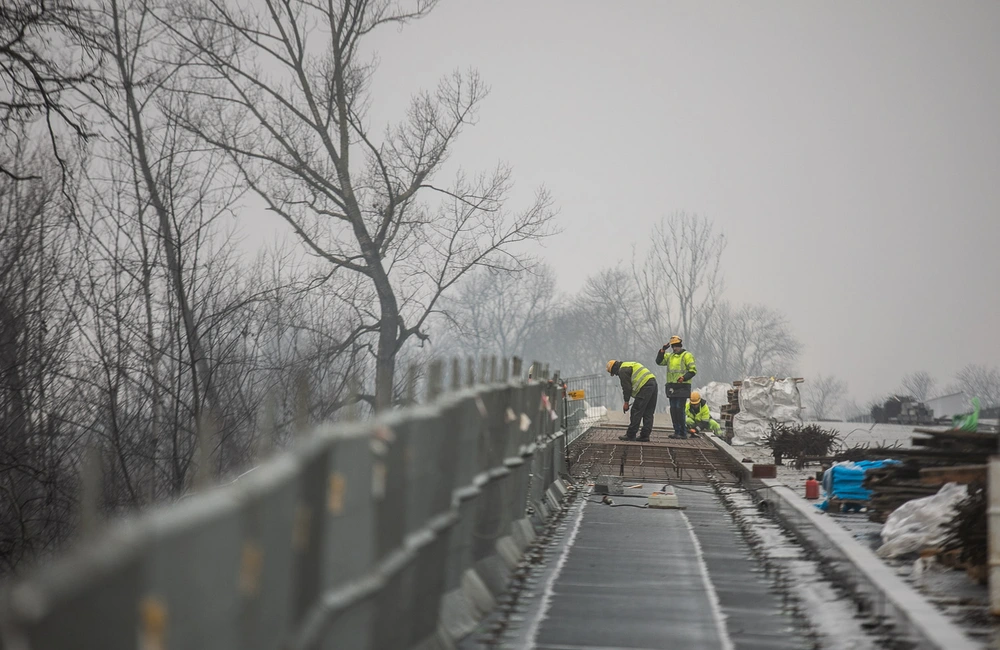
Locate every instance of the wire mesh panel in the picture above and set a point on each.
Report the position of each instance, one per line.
(600, 453)
(589, 400)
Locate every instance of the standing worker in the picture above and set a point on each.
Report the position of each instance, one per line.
(680, 370)
(640, 383)
(697, 415)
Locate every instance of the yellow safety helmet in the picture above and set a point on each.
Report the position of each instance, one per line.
(611, 364)
(675, 340)
(695, 397)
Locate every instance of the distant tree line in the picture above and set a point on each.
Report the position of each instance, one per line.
(625, 311)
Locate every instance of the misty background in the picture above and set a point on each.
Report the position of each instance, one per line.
(849, 152)
(219, 227)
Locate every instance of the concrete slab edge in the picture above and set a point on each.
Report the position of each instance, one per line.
(907, 607)
(912, 613)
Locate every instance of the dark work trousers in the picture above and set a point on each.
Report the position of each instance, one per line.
(677, 405)
(642, 410)
(678, 395)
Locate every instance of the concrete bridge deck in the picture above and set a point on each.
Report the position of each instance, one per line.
(639, 578)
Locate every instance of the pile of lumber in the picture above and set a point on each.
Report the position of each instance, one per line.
(892, 486)
(936, 458)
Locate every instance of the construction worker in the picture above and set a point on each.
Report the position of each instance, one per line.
(640, 383)
(697, 415)
(680, 370)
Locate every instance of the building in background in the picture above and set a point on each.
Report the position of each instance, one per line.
(947, 406)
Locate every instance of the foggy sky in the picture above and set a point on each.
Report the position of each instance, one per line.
(850, 150)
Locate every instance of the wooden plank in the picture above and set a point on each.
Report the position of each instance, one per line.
(963, 474)
(958, 434)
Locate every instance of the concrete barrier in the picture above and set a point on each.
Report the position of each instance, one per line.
(395, 533)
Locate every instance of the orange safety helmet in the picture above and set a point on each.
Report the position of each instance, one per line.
(695, 397)
(675, 340)
(611, 364)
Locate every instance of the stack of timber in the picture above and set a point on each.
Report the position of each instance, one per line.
(936, 458)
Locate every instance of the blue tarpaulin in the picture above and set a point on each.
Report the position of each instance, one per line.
(843, 480)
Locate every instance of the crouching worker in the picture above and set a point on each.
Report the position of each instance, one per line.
(640, 384)
(698, 416)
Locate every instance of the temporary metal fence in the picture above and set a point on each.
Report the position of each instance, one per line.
(588, 402)
(400, 532)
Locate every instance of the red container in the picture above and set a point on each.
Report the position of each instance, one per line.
(812, 488)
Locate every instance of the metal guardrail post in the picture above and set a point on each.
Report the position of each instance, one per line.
(191, 571)
(466, 599)
(267, 587)
(493, 516)
(389, 497)
(92, 595)
(469, 433)
(409, 604)
(335, 536)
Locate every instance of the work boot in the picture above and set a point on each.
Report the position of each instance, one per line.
(642, 439)
(626, 438)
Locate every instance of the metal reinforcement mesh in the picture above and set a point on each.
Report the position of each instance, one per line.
(599, 452)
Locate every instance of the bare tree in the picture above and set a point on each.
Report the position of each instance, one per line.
(164, 297)
(37, 74)
(823, 394)
(36, 341)
(745, 341)
(918, 385)
(283, 92)
(680, 279)
(980, 381)
(500, 312)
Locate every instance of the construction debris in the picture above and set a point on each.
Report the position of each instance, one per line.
(800, 443)
(936, 458)
(966, 539)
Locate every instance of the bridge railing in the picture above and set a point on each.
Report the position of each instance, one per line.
(400, 532)
(588, 402)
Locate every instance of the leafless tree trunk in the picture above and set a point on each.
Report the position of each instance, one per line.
(823, 394)
(127, 35)
(36, 340)
(284, 93)
(679, 278)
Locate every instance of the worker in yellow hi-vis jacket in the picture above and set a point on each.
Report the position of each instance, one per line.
(637, 382)
(698, 416)
(680, 370)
